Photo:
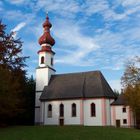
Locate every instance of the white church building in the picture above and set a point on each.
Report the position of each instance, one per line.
(83, 98)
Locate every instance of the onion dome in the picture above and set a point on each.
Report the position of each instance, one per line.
(47, 23)
(46, 38)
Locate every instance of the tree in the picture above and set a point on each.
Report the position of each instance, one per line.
(131, 75)
(131, 83)
(12, 76)
(29, 103)
(10, 51)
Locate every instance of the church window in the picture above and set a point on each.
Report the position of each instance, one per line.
(42, 60)
(73, 110)
(61, 110)
(93, 110)
(124, 121)
(52, 61)
(124, 109)
(49, 111)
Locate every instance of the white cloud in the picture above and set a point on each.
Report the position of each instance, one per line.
(18, 28)
(108, 12)
(108, 47)
(71, 37)
(16, 1)
(61, 7)
(130, 3)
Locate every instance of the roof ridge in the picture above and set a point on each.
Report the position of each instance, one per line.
(83, 72)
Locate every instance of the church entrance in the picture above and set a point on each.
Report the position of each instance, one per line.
(118, 123)
(61, 122)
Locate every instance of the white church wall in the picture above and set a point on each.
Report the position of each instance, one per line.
(108, 112)
(93, 121)
(118, 114)
(68, 119)
(42, 77)
(108, 109)
(37, 114)
(42, 109)
(68, 112)
(113, 114)
(37, 107)
(37, 96)
(47, 60)
(83, 114)
(55, 113)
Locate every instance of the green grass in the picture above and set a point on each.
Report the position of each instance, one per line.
(68, 133)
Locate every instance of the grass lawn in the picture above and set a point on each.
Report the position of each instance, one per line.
(68, 133)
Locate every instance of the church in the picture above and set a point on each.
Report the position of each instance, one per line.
(83, 98)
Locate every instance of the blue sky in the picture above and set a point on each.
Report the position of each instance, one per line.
(89, 34)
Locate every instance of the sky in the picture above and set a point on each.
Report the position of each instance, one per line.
(89, 34)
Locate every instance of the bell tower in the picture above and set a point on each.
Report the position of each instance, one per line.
(45, 65)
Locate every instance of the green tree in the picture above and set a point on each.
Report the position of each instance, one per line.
(29, 102)
(9, 100)
(12, 76)
(131, 83)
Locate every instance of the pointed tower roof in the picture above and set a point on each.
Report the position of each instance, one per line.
(46, 38)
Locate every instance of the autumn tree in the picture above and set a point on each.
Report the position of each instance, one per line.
(12, 75)
(131, 83)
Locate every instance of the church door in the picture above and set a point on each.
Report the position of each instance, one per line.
(61, 122)
(118, 123)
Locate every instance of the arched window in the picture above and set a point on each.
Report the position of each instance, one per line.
(49, 111)
(93, 110)
(73, 107)
(61, 110)
(42, 60)
(52, 61)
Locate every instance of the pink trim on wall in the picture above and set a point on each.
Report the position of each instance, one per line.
(81, 113)
(113, 115)
(104, 117)
(129, 116)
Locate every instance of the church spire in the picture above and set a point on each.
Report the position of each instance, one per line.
(46, 40)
